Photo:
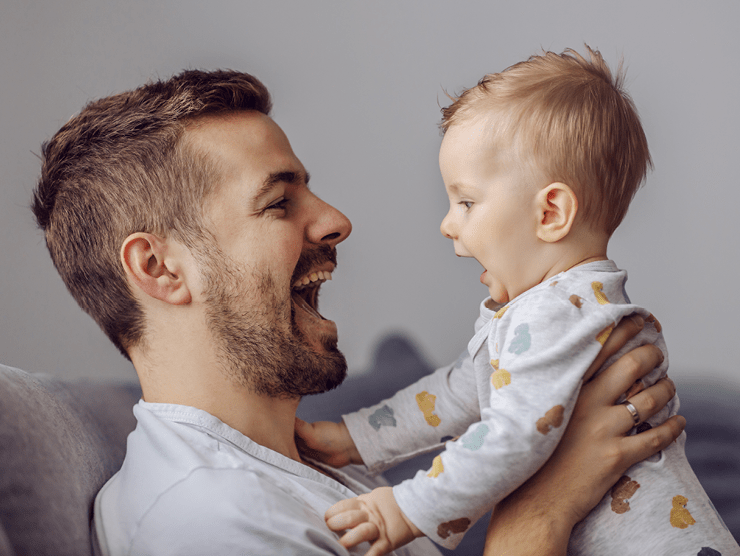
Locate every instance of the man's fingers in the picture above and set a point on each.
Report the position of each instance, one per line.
(627, 328)
(623, 373)
(650, 401)
(636, 388)
(643, 445)
(364, 532)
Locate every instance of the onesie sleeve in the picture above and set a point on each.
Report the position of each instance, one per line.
(534, 357)
(418, 418)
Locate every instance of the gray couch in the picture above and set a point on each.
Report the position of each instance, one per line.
(61, 440)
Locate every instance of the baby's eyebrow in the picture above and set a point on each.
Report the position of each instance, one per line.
(458, 188)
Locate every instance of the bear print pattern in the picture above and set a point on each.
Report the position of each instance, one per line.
(500, 312)
(501, 377)
(522, 340)
(681, 518)
(382, 417)
(474, 440)
(621, 492)
(437, 467)
(600, 297)
(453, 527)
(426, 401)
(553, 418)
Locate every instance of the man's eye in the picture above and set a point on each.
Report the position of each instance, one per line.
(278, 205)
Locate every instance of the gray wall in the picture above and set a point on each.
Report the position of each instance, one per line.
(357, 88)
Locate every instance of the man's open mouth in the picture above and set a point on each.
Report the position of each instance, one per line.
(305, 291)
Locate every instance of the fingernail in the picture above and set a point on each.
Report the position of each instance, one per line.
(682, 421)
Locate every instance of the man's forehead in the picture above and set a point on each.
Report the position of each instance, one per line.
(217, 130)
(245, 144)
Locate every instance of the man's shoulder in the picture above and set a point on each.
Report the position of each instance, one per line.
(180, 489)
(223, 509)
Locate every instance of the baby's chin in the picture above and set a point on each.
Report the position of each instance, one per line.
(498, 293)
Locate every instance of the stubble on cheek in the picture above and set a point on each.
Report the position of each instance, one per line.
(260, 345)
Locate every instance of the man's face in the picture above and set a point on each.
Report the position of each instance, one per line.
(273, 245)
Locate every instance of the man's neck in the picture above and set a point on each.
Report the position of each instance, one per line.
(267, 421)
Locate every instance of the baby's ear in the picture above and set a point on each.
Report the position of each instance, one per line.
(556, 206)
(155, 267)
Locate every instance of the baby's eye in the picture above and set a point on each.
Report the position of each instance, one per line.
(466, 204)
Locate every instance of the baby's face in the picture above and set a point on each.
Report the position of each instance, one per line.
(492, 214)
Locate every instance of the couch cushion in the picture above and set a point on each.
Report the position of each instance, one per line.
(713, 443)
(59, 442)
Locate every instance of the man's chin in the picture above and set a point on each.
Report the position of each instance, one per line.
(330, 371)
(333, 379)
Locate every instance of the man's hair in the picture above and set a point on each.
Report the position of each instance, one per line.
(121, 166)
(569, 118)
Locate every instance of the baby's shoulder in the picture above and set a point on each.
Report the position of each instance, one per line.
(568, 298)
(584, 287)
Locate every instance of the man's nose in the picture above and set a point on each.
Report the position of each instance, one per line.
(329, 226)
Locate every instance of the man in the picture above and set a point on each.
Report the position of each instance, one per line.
(182, 222)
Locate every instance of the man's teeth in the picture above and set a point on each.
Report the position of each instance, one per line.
(318, 277)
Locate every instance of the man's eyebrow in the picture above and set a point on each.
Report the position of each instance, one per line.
(285, 176)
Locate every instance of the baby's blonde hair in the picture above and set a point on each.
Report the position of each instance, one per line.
(573, 121)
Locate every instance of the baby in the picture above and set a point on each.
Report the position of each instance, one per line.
(540, 163)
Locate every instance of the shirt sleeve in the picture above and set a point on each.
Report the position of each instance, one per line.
(417, 419)
(535, 356)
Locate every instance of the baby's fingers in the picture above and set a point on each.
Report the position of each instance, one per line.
(302, 428)
(346, 519)
(364, 532)
(305, 432)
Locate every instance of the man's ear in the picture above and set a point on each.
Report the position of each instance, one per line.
(557, 206)
(153, 266)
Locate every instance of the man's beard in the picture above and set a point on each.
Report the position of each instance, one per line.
(253, 345)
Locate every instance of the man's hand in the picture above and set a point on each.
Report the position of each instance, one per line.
(374, 517)
(326, 442)
(593, 454)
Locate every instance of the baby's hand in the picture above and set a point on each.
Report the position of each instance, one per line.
(327, 442)
(374, 517)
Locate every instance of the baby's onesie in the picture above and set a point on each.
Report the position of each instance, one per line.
(509, 398)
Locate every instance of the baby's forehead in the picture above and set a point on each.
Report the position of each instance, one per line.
(493, 134)
(497, 127)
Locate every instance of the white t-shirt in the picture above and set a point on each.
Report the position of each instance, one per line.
(190, 484)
